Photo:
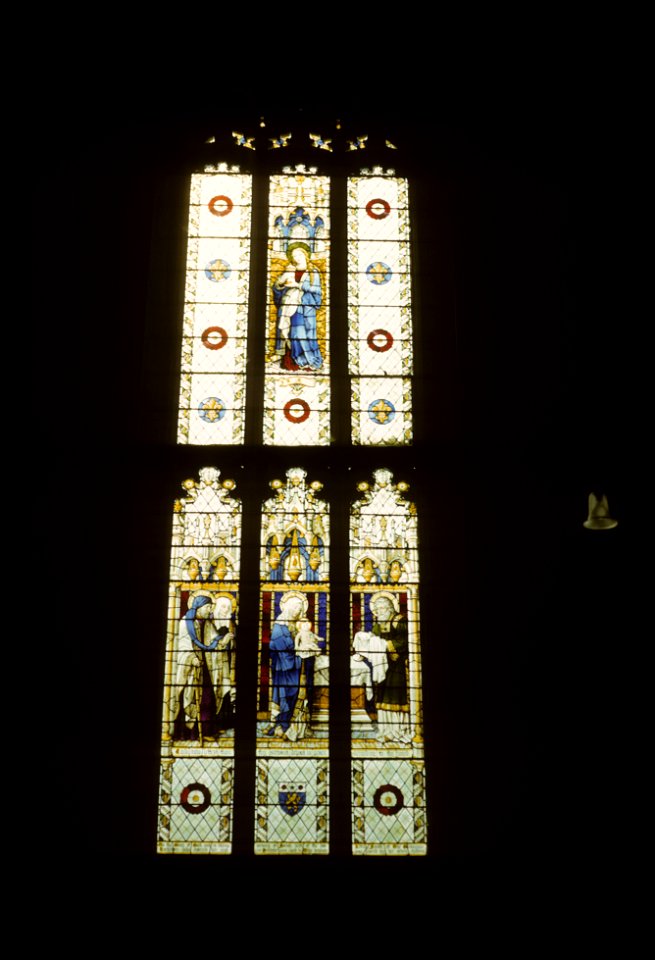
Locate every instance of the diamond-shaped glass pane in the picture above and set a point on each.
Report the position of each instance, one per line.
(292, 811)
(216, 293)
(379, 310)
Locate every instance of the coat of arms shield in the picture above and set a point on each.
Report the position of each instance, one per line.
(292, 797)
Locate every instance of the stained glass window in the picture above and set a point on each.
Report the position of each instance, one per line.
(292, 584)
(216, 294)
(297, 378)
(292, 814)
(387, 729)
(197, 745)
(379, 310)
(297, 383)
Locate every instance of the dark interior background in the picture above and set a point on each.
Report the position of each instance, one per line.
(521, 408)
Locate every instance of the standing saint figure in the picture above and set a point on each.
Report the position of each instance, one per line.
(221, 666)
(297, 294)
(285, 664)
(203, 690)
(393, 705)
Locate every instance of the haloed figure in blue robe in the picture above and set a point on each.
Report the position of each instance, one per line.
(285, 666)
(298, 294)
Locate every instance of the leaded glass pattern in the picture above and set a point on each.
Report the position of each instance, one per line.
(385, 667)
(293, 682)
(297, 378)
(292, 805)
(379, 310)
(216, 293)
(389, 807)
(197, 744)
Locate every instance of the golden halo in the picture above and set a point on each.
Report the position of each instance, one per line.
(392, 597)
(294, 593)
(295, 244)
(199, 593)
(227, 596)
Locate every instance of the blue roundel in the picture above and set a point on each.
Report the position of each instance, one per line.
(379, 273)
(381, 411)
(212, 409)
(217, 270)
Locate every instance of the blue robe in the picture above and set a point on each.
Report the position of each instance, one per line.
(285, 668)
(304, 348)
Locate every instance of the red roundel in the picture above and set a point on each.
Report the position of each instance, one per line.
(291, 410)
(220, 206)
(380, 340)
(195, 798)
(378, 209)
(214, 338)
(388, 800)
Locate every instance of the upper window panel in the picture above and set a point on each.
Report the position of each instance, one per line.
(379, 310)
(217, 289)
(297, 383)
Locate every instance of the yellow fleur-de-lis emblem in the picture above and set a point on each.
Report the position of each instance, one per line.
(212, 409)
(378, 272)
(381, 411)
